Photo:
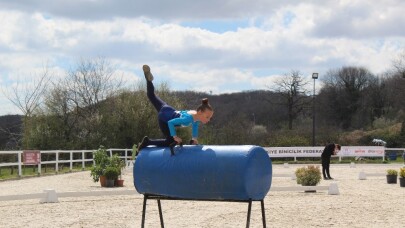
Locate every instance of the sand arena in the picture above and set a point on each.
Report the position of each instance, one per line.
(361, 203)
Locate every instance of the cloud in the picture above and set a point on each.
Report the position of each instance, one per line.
(163, 10)
(361, 20)
(183, 43)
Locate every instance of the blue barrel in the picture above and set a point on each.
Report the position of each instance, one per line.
(204, 172)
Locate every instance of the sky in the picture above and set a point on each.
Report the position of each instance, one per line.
(209, 46)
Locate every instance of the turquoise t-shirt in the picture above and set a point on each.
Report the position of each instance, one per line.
(184, 120)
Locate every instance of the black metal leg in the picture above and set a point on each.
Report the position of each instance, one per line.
(144, 211)
(263, 214)
(160, 214)
(158, 198)
(248, 215)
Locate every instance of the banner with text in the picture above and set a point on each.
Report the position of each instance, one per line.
(31, 157)
(346, 151)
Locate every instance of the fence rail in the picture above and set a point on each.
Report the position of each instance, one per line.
(123, 154)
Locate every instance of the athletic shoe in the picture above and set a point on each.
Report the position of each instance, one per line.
(147, 73)
(326, 178)
(330, 178)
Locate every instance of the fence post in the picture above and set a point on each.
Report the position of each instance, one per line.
(71, 161)
(19, 164)
(57, 161)
(39, 163)
(384, 155)
(83, 166)
(126, 155)
(94, 162)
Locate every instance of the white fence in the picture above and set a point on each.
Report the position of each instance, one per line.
(57, 161)
(274, 152)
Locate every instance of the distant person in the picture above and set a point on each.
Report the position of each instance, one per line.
(170, 118)
(328, 151)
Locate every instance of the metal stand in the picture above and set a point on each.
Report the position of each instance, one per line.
(158, 198)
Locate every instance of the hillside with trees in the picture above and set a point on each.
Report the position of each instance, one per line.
(90, 107)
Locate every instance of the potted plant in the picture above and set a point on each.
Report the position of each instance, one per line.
(402, 177)
(111, 173)
(308, 176)
(119, 164)
(392, 175)
(101, 160)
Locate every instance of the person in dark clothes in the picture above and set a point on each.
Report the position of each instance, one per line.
(330, 149)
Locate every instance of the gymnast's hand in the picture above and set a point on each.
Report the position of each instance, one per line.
(177, 139)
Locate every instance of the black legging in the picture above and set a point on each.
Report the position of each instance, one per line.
(165, 113)
(325, 167)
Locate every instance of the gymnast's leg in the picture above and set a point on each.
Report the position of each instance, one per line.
(168, 142)
(166, 132)
(164, 114)
(150, 90)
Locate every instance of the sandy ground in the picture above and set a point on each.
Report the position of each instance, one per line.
(361, 203)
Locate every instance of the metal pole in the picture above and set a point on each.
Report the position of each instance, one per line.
(263, 214)
(144, 210)
(248, 215)
(313, 117)
(160, 214)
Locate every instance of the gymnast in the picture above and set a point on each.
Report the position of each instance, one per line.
(169, 118)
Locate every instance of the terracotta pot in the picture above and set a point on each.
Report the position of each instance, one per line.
(103, 181)
(120, 183)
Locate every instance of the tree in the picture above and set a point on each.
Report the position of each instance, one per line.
(399, 64)
(86, 87)
(71, 117)
(28, 97)
(293, 92)
(342, 94)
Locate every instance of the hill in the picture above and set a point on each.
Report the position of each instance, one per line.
(10, 131)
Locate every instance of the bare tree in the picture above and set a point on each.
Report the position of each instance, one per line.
(28, 97)
(90, 83)
(82, 93)
(292, 87)
(399, 64)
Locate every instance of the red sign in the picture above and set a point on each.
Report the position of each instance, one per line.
(31, 157)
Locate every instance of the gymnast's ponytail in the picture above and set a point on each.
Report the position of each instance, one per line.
(204, 105)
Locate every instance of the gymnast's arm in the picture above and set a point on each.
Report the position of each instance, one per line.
(195, 132)
(182, 120)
